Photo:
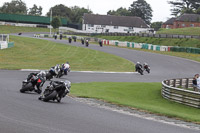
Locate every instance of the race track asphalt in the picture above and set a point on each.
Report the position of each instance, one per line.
(23, 113)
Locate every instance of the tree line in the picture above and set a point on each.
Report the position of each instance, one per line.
(139, 8)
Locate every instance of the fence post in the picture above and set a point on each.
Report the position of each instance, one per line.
(181, 80)
(174, 83)
(187, 82)
(169, 82)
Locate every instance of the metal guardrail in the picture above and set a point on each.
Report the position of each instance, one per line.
(175, 90)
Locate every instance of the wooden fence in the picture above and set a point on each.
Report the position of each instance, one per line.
(177, 90)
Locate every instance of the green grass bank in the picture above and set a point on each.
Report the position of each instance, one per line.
(181, 31)
(156, 41)
(144, 96)
(30, 53)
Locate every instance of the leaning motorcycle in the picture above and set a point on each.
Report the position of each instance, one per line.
(30, 83)
(53, 72)
(56, 91)
(140, 70)
(69, 39)
(87, 43)
(147, 68)
(100, 44)
(60, 72)
(82, 41)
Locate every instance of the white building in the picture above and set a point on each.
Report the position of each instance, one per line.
(113, 24)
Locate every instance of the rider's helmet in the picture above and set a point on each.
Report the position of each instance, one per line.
(145, 64)
(42, 73)
(138, 62)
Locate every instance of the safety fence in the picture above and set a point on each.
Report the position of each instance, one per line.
(4, 41)
(136, 34)
(134, 44)
(181, 91)
(4, 45)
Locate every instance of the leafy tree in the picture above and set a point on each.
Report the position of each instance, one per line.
(119, 12)
(56, 22)
(37, 11)
(156, 25)
(61, 11)
(184, 6)
(141, 9)
(14, 7)
(77, 14)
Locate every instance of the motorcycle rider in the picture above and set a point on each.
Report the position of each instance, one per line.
(87, 43)
(145, 65)
(66, 67)
(38, 80)
(70, 39)
(58, 85)
(54, 70)
(82, 41)
(42, 76)
(138, 66)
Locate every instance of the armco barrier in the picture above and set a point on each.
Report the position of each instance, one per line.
(172, 90)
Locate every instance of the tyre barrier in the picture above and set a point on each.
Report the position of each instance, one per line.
(177, 90)
(134, 44)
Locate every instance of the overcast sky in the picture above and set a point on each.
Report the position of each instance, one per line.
(161, 9)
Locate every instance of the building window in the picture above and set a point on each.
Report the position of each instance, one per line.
(183, 25)
(90, 25)
(116, 27)
(130, 28)
(103, 26)
(191, 25)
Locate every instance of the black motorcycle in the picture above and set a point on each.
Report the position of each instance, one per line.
(147, 68)
(140, 70)
(56, 91)
(82, 41)
(87, 43)
(60, 72)
(53, 72)
(70, 39)
(100, 44)
(33, 80)
(74, 38)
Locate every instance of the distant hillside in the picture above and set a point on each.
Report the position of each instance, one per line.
(181, 31)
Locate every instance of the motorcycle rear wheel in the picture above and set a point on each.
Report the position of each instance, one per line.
(26, 88)
(51, 96)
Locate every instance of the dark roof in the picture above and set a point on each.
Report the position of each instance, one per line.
(189, 18)
(125, 21)
(170, 21)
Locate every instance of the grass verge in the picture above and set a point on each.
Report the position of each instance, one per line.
(145, 96)
(30, 53)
